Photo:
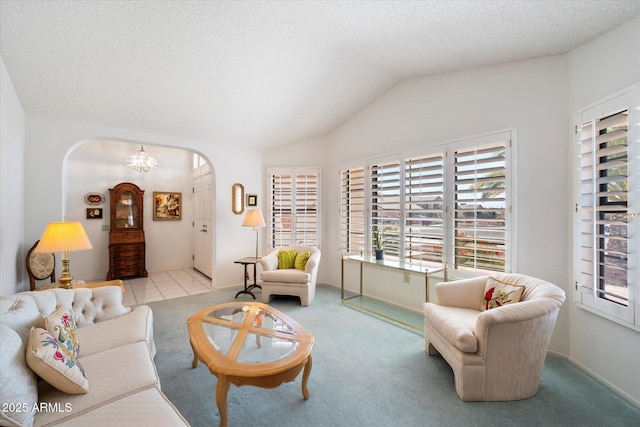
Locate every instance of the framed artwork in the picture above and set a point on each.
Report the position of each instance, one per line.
(94, 213)
(167, 206)
(94, 199)
(252, 200)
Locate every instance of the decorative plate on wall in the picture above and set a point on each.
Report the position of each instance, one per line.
(94, 199)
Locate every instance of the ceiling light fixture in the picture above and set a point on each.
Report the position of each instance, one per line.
(142, 162)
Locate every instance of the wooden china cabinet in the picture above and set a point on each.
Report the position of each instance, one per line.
(126, 236)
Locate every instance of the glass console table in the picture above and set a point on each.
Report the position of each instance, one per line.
(379, 308)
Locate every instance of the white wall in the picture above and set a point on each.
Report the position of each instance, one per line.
(12, 142)
(50, 141)
(607, 350)
(95, 167)
(530, 96)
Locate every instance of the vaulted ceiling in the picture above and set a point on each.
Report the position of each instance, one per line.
(265, 73)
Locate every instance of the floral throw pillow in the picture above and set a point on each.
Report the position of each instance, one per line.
(61, 325)
(497, 294)
(55, 363)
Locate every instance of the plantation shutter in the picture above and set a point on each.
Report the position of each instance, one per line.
(603, 213)
(385, 204)
(281, 214)
(479, 206)
(352, 212)
(306, 202)
(294, 207)
(424, 208)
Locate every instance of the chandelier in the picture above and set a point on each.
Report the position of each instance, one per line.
(142, 162)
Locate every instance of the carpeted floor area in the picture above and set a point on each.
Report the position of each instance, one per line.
(366, 372)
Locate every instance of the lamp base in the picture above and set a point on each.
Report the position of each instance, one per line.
(65, 279)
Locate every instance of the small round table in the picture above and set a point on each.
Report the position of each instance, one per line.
(249, 343)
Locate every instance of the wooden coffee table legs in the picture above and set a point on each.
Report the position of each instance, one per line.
(224, 382)
(305, 378)
(221, 398)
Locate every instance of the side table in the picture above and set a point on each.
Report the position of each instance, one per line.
(246, 262)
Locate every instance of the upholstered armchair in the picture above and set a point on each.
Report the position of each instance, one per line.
(300, 282)
(495, 345)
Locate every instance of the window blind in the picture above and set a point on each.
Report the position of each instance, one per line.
(294, 207)
(306, 202)
(385, 204)
(479, 210)
(603, 208)
(281, 214)
(424, 208)
(352, 212)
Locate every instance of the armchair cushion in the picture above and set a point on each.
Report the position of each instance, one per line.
(285, 275)
(286, 259)
(498, 293)
(456, 323)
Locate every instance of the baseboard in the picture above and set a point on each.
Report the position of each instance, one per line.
(604, 382)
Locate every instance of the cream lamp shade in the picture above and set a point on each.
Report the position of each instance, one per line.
(66, 236)
(254, 219)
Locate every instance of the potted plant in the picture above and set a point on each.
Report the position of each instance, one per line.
(379, 240)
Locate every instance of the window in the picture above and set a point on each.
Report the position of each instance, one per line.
(385, 204)
(293, 207)
(448, 205)
(424, 208)
(480, 207)
(609, 167)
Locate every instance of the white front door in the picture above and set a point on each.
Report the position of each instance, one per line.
(203, 223)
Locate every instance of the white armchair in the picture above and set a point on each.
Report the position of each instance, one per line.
(496, 354)
(290, 281)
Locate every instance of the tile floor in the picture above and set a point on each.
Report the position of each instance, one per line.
(164, 285)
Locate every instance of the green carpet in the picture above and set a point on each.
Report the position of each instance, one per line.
(366, 372)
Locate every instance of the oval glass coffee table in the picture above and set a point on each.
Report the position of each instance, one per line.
(249, 343)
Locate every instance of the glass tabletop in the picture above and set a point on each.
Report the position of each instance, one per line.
(269, 338)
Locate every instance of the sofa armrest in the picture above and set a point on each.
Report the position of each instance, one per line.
(270, 262)
(505, 325)
(465, 293)
(312, 262)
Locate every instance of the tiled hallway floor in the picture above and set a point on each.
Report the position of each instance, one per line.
(164, 285)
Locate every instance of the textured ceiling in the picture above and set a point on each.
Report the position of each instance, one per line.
(260, 74)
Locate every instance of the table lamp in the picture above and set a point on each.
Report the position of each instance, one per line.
(254, 219)
(66, 236)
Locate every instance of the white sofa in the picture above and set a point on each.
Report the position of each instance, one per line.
(116, 351)
(290, 281)
(496, 354)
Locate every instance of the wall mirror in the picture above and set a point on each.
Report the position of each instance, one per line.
(237, 198)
